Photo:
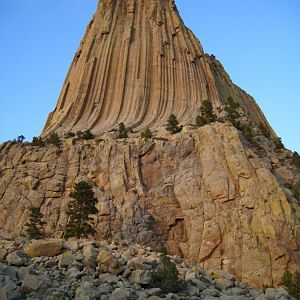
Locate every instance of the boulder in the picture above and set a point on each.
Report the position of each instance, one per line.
(16, 258)
(89, 291)
(32, 283)
(89, 256)
(105, 258)
(52, 247)
(140, 277)
(7, 271)
(223, 283)
(66, 260)
(9, 290)
(276, 294)
(120, 294)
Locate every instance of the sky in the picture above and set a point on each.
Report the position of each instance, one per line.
(257, 41)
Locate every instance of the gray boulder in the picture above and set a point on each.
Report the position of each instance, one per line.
(16, 258)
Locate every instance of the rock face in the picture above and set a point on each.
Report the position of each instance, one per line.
(138, 64)
(201, 193)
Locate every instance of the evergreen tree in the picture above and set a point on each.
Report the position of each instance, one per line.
(233, 115)
(20, 138)
(147, 134)
(69, 134)
(79, 211)
(87, 135)
(123, 131)
(35, 225)
(173, 125)
(166, 276)
(38, 141)
(54, 139)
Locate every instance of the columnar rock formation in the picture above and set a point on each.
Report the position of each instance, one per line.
(138, 64)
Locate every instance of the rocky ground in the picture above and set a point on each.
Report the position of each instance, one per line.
(84, 270)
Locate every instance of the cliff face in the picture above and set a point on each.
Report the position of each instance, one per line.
(200, 192)
(138, 64)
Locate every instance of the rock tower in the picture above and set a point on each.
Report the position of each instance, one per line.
(138, 64)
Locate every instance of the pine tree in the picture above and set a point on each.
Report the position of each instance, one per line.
(34, 228)
(232, 112)
(38, 141)
(87, 135)
(21, 138)
(207, 113)
(173, 125)
(123, 131)
(166, 275)
(147, 134)
(79, 211)
(54, 139)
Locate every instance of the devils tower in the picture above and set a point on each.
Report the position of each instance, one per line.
(138, 64)
(223, 195)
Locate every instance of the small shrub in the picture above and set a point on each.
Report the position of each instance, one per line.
(166, 276)
(34, 228)
(207, 115)
(296, 159)
(173, 125)
(87, 135)
(147, 134)
(54, 139)
(21, 138)
(38, 141)
(292, 283)
(79, 211)
(69, 135)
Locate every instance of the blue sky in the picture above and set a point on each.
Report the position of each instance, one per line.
(258, 42)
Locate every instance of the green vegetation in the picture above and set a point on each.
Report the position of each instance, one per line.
(85, 135)
(292, 283)
(166, 276)
(173, 125)
(69, 135)
(147, 134)
(123, 131)
(296, 159)
(38, 141)
(54, 139)
(34, 228)
(21, 138)
(233, 115)
(207, 115)
(79, 211)
(249, 135)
